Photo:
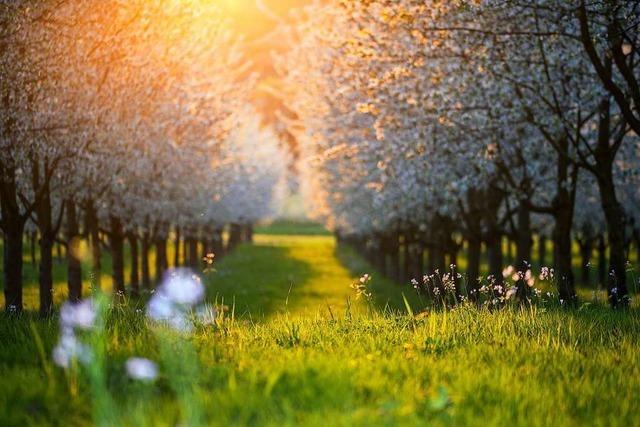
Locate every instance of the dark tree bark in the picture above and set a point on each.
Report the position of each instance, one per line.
(248, 233)
(523, 248)
(194, 260)
(437, 246)
(176, 255)
(473, 235)
(47, 229)
(33, 240)
(392, 249)
(117, 254)
(217, 243)
(235, 236)
(12, 265)
(542, 250)
(134, 277)
(602, 261)
(144, 260)
(96, 252)
(12, 222)
(379, 258)
(493, 238)
(185, 250)
(613, 212)
(474, 248)
(74, 266)
(418, 258)
(563, 215)
(407, 253)
(46, 276)
(161, 257)
(586, 249)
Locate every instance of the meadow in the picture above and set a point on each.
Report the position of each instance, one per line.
(293, 346)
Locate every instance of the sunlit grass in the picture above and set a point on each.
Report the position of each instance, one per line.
(451, 368)
(292, 351)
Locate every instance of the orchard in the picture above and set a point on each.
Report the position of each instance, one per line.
(340, 212)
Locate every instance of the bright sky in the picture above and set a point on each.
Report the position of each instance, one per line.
(254, 18)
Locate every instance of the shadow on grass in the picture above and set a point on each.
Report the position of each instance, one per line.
(386, 293)
(256, 280)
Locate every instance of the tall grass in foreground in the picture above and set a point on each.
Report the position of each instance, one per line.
(513, 366)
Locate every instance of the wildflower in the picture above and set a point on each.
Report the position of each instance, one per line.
(183, 287)
(80, 315)
(508, 271)
(208, 258)
(360, 286)
(141, 369)
(180, 291)
(448, 283)
(511, 293)
(68, 349)
(546, 273)
(529, 279)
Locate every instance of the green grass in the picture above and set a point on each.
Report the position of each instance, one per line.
(296, 228)
(293, 351)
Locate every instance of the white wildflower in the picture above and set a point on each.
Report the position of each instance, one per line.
(141, 369)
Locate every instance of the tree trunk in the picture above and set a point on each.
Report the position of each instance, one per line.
(494, 252)
(474, 248)
(562, 258)
(96, 255)
(134, 273)
(117, 255)
(613, 212)
(235, 236)
(33, 240)
(176, 255)
(217, 243)
(43, 210)
(617, 283)
(12, 265)
(144, 260)
(249, 233)
(74, 266)
(407, 247)
(418, 259)
(602, 261)
(494, 234)
(185, 250)
(586, 248)
(563, 215)
(474, 242)
(45, 275)
(161, 258)
(193, 252)
(523, 249)
(542, 250)
(392, 248)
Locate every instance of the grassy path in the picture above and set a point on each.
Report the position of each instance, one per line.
(297, 274)
(316, 366)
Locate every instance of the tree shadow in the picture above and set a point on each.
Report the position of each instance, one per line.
(256, 280)
(386, 294)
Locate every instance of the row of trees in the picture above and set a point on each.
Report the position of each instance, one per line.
(130, 120)
(427, 124)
